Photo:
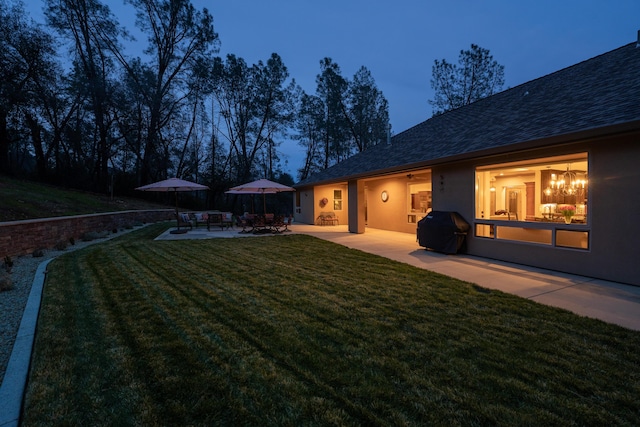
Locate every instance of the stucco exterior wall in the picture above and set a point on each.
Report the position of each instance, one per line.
(606, 247)
(613, 223)
(614, 202)
(304, 212)
(311, 205)
(327, 192)
(453, 189)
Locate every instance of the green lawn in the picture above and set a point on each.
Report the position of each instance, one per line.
(294, 331)
(21, 199)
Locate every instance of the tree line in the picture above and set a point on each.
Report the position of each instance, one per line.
(77, 110)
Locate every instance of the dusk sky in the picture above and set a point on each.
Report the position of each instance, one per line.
(399, 41)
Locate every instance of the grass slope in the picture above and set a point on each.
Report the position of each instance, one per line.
(293, 330)
(28, 200)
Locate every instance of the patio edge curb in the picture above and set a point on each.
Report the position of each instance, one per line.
(15, 380)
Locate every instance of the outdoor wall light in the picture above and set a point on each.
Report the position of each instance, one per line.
(384, 196)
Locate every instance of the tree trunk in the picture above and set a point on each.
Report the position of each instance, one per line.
(36, 141)
(4, 143)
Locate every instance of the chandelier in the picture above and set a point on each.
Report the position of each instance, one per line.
(566, 184)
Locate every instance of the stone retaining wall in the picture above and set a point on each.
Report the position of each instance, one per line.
(24, 237)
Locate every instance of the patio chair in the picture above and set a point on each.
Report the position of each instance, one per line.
(277, 225)
(260, 225)
(246, 221)
(215, 220)
(185, 221)
(268, 219)
(227, 220)
(200, 218)
(287, 224)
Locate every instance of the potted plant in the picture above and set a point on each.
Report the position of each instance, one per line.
(567, 211)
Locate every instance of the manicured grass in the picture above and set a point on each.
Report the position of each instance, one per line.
(293, 330)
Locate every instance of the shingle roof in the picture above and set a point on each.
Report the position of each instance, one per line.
(596, 93)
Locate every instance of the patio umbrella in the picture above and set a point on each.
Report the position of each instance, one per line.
(261, 186)
(175, 185)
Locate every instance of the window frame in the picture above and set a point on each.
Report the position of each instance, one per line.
(532, 227)
(337, 200)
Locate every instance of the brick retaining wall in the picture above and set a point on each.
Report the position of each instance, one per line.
(23, 237)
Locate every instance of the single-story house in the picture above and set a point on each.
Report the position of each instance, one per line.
(510, 164)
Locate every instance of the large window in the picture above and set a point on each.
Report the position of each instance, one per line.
(419, 200)
(551, 192)
(541, 190)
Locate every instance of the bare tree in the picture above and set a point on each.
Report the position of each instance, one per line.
(256, 106)
(87, 24)
(27, 60)
(179, 36)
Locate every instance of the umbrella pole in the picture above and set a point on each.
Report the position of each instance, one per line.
(177, 218)
(177, 231)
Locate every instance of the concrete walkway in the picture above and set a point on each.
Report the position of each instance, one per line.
(608, 301)
(15, 378)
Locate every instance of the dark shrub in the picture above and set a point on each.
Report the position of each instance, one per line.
(6, 284)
